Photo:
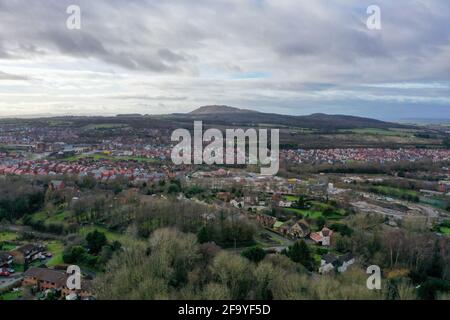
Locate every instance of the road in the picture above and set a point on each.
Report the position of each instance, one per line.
(9, 282)
(21, 229)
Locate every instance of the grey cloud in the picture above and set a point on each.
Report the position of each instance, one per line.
(308, 49)
(147, 97)
(149, 36)
(8, 76)
(170, 56)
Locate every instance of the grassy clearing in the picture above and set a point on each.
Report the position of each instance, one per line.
(382, 132)
(103, 126)
(18, 267)
(305, 213)
(8, 296)
(57, 249)
(60, 217)
(396, 192)
(7, 236)
(8, 247)
(59, 123)
(46, 218)
(316, 212)
(445, 230)
(40, 216)
(110, 235)
(290, 198)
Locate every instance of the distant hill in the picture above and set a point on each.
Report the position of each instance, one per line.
(129, 115)
(226, 115)
(215, 109)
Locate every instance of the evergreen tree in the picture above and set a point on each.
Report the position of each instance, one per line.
(95, 241)
(300, 253)
(255, 254)
(203, 235)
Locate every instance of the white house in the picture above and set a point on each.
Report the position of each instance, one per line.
(330, 262)
(327, 263)
(347, 260)
(237, 204)
(285, 204)
(322, 237)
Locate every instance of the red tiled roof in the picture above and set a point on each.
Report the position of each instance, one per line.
(316, 236)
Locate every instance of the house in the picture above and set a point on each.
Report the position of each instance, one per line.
(330, 262)
(27, 253)
(285, 204)
(50, 279)
(300, 229)
(322, 237)
(85, 293)
(237, 204)
(327, 263)
(6, 259)
(46, 279)
(265, 220)
(346, 261)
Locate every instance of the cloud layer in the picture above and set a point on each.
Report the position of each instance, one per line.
(285, 56)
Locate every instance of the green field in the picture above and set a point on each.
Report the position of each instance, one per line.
(103, 126)
(315, 211)
(384, 132)
(395, 192)
(57, 249)
(7, 236)
(46, 218)
(8, 247)
(305, 213)
(60, 217)
(8, 296)
(111, 236)
(18, 267)
(290, 198)
(445, 230)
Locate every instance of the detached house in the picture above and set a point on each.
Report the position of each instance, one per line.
(27, 253)
(265, 220)
(330, 262)
(237, 204)
(322, 237)
(300, 229)
(5, 259)
(285, 204)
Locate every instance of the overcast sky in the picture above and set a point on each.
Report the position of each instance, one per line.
(284, 56)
